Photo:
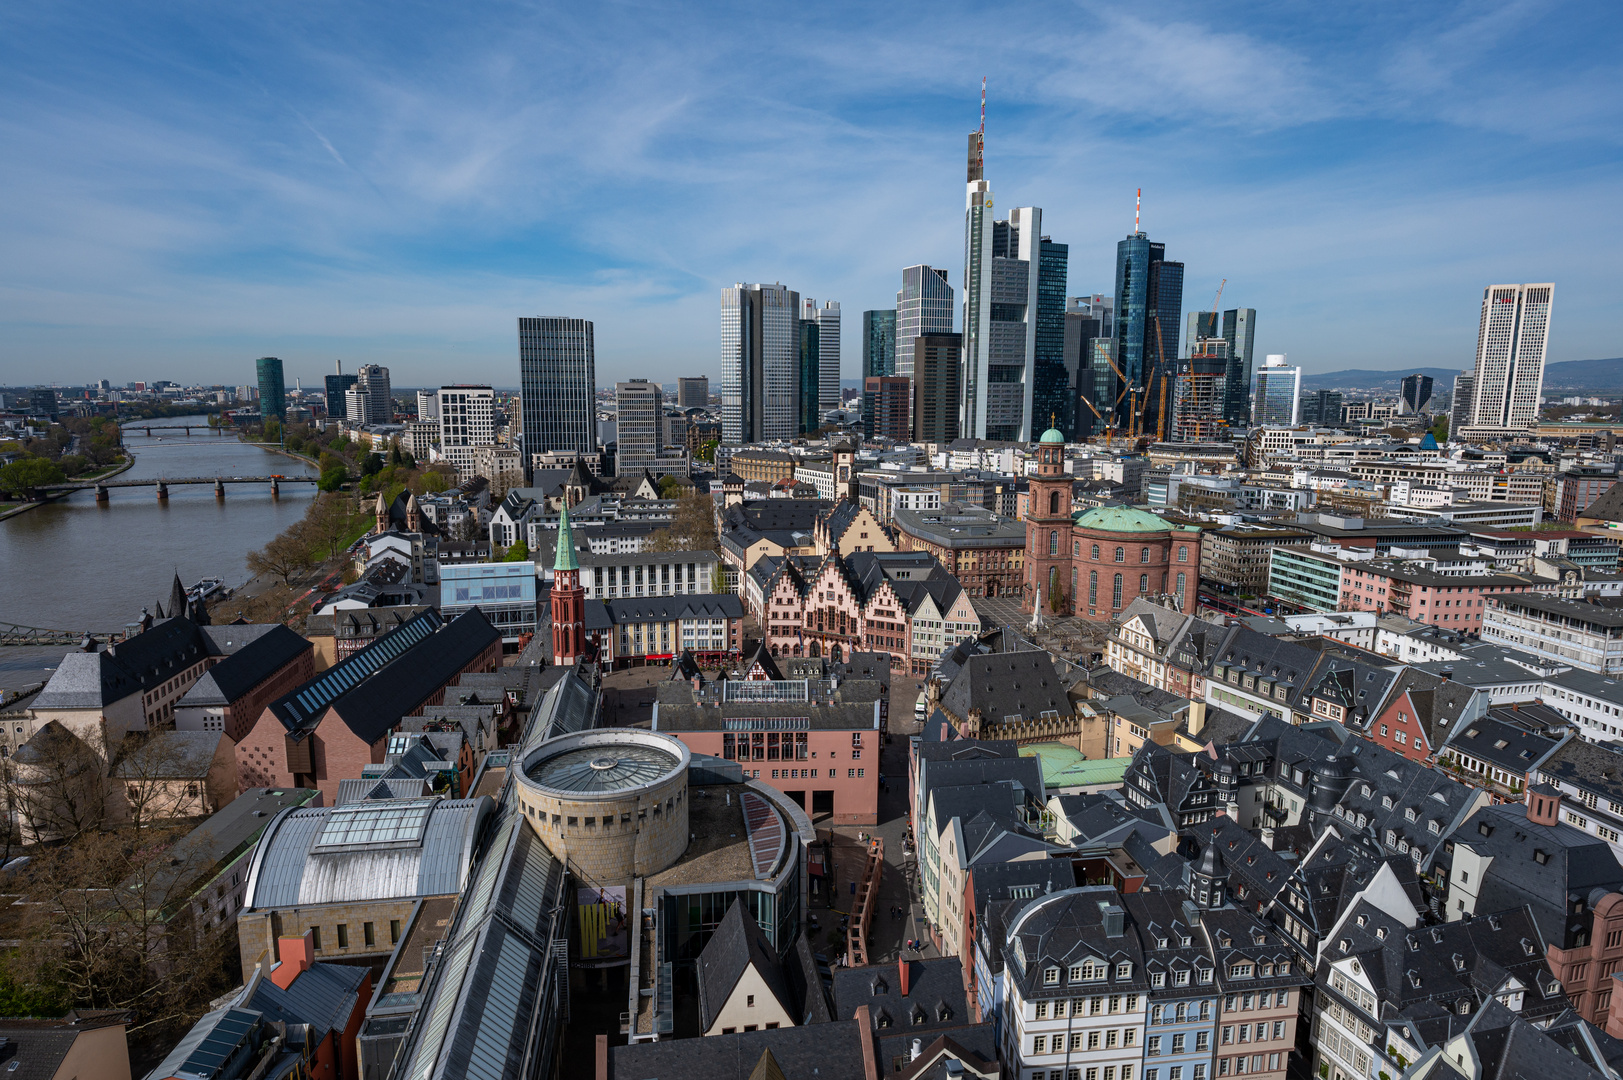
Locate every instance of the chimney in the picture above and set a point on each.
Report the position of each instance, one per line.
(870, 1060)
(918, 1048)
(902, 963)
(1543, 805)
(1197, 717)
(296, 955)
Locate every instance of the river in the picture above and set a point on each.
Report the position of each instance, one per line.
(81, 565)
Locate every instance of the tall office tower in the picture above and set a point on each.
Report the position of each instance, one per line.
(467, 420)
(1278, 390)
(808, 414)
(639, 412)
(693, 392)
(1089, 383)
(1321, 407)
(1198, 395)
(1002, 272)
(923, 306)
(1415, 395)
(373, 381)
(272, 390)
(878, 343)
(1202, 324)
(937, 387)
(1149, 305)
(557, 371)
(1510, 343)
(1240, 331)
(42, 402)
(428, 404)
(356, 405)
(885, 403)
(336, 385)
(1461, 403)
(1051, 397)
(760, 361)
(827, 319)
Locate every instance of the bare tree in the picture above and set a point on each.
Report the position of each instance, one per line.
(333, 520)
(285, 555)
(692, 528)
(58, 783)
(118, 924)
(158, 780)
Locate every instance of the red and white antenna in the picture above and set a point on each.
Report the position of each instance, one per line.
(1138, 202)
(980, 142)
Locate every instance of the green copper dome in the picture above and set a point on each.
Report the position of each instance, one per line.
(1052, 436)
(1122, 519)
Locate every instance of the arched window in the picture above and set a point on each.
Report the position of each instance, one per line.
(1115, 600)
(1093, 588)
(1095, 552)
(1143, 554)
(1121, 554)
(1073, 582)
(1053, 502)
(1076, 547)
(1053, 542)
(1183, 554)
(1180, 590)
(1143, 584)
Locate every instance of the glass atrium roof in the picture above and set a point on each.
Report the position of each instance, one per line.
(604, 768)
(373, 823)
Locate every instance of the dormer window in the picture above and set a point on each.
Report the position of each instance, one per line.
(1158, 979)
(1124, 970)
(1076, 973)
(1180, 978)
(1051, 976)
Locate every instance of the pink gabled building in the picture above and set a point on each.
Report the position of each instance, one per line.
(329, 728)
(817, 740)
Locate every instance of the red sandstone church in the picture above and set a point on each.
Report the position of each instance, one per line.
(1098, 562)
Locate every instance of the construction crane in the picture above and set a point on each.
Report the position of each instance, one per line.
(1161, 373)
(1218, 299)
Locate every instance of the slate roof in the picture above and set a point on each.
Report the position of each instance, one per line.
(323, 996)
(1588, 766)
(818, 1052)
(666, 608)
(1358, 686)
(1607, 507)
(169, 755)
(1437, 702)
(737, 945)
(1498, 739)
(1068, 928)
(1161, 623)
(973, 1044)
(302, 706)
(246, 668)
(91, 680)
(1387, 789)
(1447, 962)
(1003, 684)
(1545, 867)
(935, 995)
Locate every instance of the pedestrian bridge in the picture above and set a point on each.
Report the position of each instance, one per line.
(103, 488)
(13, 634)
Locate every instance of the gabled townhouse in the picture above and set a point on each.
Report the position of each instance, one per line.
(1075, 987)
(1181, 1029)
(1420, 712)
(1257, 675)
(988, 888)
(1385, 991)
(1589, 779)
(1141, 640)
(1159, 776)
(850, 527)
(1345, 686)
(1260, 981)
(1502, 748)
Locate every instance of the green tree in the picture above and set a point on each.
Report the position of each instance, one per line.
(519, 552)
(1439, 430)
(273, 431)
(670, 487)
(25, 477)
(394, 454)
(372, 465)
(333, 478)
(707, 450)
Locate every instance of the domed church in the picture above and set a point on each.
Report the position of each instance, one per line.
(1093, 564)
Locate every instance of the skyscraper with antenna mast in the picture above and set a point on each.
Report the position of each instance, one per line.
(1149, 307)
(1014, 309)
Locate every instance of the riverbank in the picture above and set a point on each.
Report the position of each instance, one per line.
(277, 448)
(129, 463)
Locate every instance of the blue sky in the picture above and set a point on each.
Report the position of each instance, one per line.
(184, 187)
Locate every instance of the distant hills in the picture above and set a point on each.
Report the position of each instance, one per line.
(1566, 375)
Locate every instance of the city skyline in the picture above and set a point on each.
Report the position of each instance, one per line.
(313, 211)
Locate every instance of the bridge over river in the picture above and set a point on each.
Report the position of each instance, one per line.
(162, 485)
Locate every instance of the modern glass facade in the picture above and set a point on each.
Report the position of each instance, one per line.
(760, 363)
(503, 592)
(923, 306)
(977, 317)
(1278, 389)
(373, 381)
(1149, 308)
(557, 386)
(336, 385)
(272, 390)
(937, 389)
(1302, 577)
(1052, 400)
(810, 376)
(878, 343)
(1240, 330)
(1416, 394)
(1321, 407)
(827, 318)
(639, 408)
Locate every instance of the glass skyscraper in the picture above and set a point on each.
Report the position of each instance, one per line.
(1149, 307)
(923, 307)
(827, 319)
(760, 363)
(1051, 397)
(878, 344)
(1278, 393)
(272, 389)
(1240, 330)
(336, 385)
(1416, 394)
(557, 387)
(811, 416)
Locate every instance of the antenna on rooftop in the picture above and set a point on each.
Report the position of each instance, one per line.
(980, 144)
(1138, 202)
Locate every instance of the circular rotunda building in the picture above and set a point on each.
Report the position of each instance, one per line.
(612, 803)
